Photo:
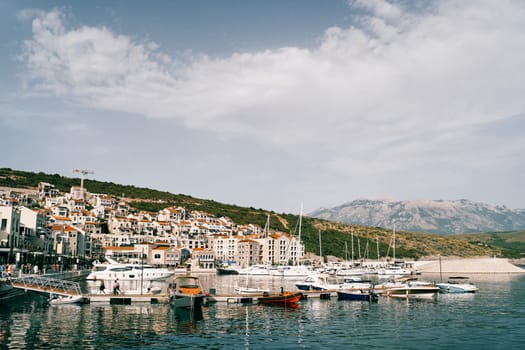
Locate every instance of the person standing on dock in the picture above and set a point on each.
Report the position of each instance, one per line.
(116, 287)
(102, 287)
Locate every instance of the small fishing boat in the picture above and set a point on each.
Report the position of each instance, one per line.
(359, 295)
(286, 298)
(187, 292)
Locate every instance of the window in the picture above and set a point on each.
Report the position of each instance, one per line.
(3, 225)
(157, 256)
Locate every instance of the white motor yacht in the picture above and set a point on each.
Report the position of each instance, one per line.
(128, 272)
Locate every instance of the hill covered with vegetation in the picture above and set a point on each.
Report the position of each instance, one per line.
(333, 239)
(511, 244)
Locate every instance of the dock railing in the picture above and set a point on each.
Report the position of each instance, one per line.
(37, 283)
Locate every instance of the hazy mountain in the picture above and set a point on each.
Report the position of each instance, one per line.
(433, 216)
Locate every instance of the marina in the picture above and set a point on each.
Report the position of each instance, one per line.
(489, 319)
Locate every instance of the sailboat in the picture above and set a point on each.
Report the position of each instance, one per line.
(352, 269)
(394, 270)
(295, 270)
(249, 290)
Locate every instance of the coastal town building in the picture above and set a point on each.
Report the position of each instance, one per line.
(80, 226)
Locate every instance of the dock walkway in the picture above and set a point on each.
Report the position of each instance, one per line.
(46, 285)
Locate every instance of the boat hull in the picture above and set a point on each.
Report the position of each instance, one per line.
(129, 273)
(303, 287)
(77, 299)
(187, 292)
(187, 301)
(246, 291)
(7, 291)
(413, 292)
(226, 271)
(456, 288)
(281, 299)
(357, 296)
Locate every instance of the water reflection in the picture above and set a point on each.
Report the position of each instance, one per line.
(489, 319)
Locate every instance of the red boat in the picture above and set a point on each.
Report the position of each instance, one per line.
(283, 298)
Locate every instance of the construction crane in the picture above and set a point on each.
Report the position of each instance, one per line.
(82, 173)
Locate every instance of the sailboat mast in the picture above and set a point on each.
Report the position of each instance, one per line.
(320, 246)
(394, 244)
(300, 221)
(352, 242)
(267, 229)
(377, 247)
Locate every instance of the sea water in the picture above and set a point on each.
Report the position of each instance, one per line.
(493, 318)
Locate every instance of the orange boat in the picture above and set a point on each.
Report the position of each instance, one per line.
(283, 298)
(187, 292)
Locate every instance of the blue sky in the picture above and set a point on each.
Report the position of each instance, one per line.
(270, 104)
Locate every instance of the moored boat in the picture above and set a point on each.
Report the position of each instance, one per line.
(286, 298)
(255, 270)
(408, 287)
(394, 271)
(457, 285)
(307, 283)
(128, 272)
(292, 271)
(412, 292)
(187, 292)
(251, 291)
(226, 270)
(331, 282)
(71, 299)
(358, 294)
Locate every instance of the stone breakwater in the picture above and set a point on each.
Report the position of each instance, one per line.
(469, 266)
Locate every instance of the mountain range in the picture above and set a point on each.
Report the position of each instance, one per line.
(443, 217)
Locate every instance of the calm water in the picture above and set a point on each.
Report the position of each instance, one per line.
(494, 318)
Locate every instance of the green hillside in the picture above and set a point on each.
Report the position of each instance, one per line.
(511, 244)
(336, 238)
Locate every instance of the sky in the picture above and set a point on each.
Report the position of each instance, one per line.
(270, 104)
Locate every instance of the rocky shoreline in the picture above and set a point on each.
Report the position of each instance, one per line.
(469, 266)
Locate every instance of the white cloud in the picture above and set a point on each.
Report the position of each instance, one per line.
(367, 93)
